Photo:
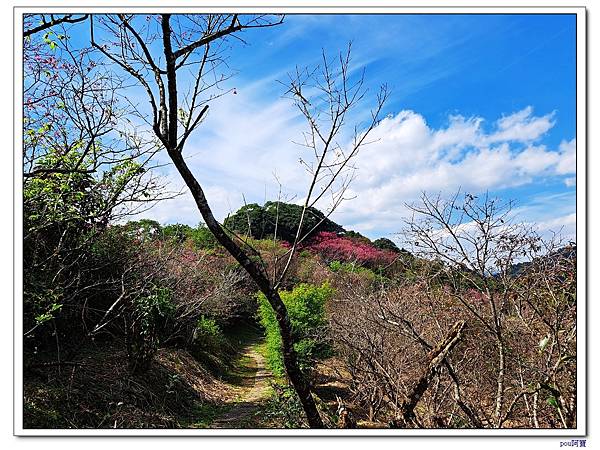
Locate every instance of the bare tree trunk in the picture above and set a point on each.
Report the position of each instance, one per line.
(175, 116)
(500, 380)
(436, 357)
(290, 359)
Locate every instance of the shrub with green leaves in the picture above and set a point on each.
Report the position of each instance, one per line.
(150, 316)
(208, 334)
(306, 308)
(201, 236)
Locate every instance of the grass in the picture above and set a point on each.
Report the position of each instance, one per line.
(204, 414)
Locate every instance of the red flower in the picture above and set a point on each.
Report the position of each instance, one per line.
(334, 247)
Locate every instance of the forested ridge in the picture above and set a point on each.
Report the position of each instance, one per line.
(275, 316)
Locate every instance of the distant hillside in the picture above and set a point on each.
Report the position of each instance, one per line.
(261, 221)
(566, 252)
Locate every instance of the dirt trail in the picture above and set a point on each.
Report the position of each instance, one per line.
(249, 392)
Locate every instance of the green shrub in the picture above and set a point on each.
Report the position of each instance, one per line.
(150, 316)
(306, 308)
(304, 254)
(348, 267)
(284, 407)
(144, 229)
(201, 236)
(335, 266)
(177, 232)
(208, 335)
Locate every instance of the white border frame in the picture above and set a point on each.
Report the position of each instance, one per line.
(581, 227)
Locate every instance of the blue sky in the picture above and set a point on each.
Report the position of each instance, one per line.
(480, 102)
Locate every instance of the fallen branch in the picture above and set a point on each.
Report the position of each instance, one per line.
(436, 357)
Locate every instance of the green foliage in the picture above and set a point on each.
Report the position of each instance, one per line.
(201, 236)
(155, 307)
(208, 335)
(284, 407)
(42, 302)
(72, 192)
(260, 221)
(150, 315)
(49, 314)
(386, 244)
(204, 414)
(145, 229)
(48, 39)
(335, 266)
(306, 308)
(177, 232)
(304, 254)
(551, 400)
(67, 206)
(114, 244)
(60, 197)
(60, 210)
(357, 236)
(348, 267)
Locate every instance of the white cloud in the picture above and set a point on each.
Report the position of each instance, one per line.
(410, 157)
(244, 141)
(564, 226)
(182, 208)
(236, 153)
(568, 153)
(522, 126)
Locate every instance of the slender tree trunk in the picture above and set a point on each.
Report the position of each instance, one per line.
(535, 408)
(290, 359)
(500, 379)
(174, 150)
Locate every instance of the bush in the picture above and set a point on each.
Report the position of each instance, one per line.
(150, 316)
(284, 407)
(177, 232)
(208, 335)
(201, 236)
(306, 308)
(333, 247)
(143, 230)
(348, 267)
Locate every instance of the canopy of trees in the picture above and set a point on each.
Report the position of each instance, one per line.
(279, 220)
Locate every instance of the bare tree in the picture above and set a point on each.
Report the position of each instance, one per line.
(333, 94)
(48, 21)
(84, 166)
(544, 301)
(399, 346)
(75, 122)
(194, 43)
(479, 332)
(477, 243)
